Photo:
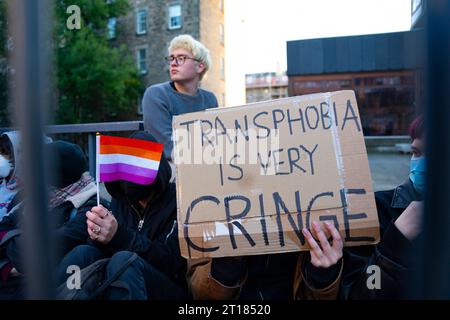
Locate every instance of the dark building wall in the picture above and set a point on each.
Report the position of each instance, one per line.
(378, 52)
(384, 70)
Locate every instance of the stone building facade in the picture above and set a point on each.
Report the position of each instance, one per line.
(150, 25)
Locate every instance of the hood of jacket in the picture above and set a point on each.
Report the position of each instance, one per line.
(14, 138)
(160, 211)
(131, 192)
(404, 194)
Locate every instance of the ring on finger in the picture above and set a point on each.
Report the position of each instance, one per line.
(97, 230)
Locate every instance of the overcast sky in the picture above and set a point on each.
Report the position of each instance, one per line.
(257, 30)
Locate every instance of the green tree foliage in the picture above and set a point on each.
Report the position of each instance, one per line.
(96, 81)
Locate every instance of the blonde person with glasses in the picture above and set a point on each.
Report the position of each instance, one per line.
(188, 62)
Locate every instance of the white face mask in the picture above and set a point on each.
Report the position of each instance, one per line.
(5, 167)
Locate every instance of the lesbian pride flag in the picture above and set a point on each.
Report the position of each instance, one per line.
(127, 159)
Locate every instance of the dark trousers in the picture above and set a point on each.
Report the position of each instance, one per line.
(140, 280)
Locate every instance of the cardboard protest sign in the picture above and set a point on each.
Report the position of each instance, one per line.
(249, 178)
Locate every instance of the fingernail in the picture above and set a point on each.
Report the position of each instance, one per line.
(315, 224)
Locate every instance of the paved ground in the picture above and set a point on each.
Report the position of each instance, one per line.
(388, 169)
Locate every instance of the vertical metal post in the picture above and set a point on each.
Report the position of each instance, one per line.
(31, 31)
(433, 277)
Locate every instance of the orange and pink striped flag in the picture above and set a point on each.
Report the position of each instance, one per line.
(127, 159)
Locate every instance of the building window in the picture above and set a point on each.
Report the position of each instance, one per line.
(141, 21)
(222, 68)
(112, 22)
(175, 16)
(221, 33)
(142, 60)
(221, 5)
(139, 106)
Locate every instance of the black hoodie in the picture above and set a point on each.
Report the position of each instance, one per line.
(151, 232)
(393, 255)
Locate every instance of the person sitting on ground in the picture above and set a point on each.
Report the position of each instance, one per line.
(72, 193)
(142, 221)
(9, 169)
(9, 189)
(400, 215)
(283, 276)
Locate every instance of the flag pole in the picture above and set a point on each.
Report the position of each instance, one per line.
(97, 169)
(98, 195)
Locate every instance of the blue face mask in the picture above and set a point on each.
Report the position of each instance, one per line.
(417, 174)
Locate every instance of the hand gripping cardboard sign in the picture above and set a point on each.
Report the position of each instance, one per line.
(249, 178)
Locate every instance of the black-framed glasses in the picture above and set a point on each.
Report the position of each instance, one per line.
(180, 60)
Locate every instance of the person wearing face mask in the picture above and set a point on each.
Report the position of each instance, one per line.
(9, 203)
(142, 221)
(400, 216)
(72, 191)
(9, 169)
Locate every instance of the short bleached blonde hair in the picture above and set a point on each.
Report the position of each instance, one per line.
(198, 50)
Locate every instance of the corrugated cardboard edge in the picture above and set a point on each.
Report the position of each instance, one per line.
(355, 175)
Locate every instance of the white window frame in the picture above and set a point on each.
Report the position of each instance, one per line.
(170, 16)
(140, 111)
(222, 68)
(139, 13)
(138, 60)
(222, 33)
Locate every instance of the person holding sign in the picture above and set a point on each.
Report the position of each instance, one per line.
(188, 62)
(142, 221)
(400, 215)
(299, 275)
(273, 178)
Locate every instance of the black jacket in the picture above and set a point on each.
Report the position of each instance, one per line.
(156, 239)
(392, 255)
(270, 276)
(69, 233)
